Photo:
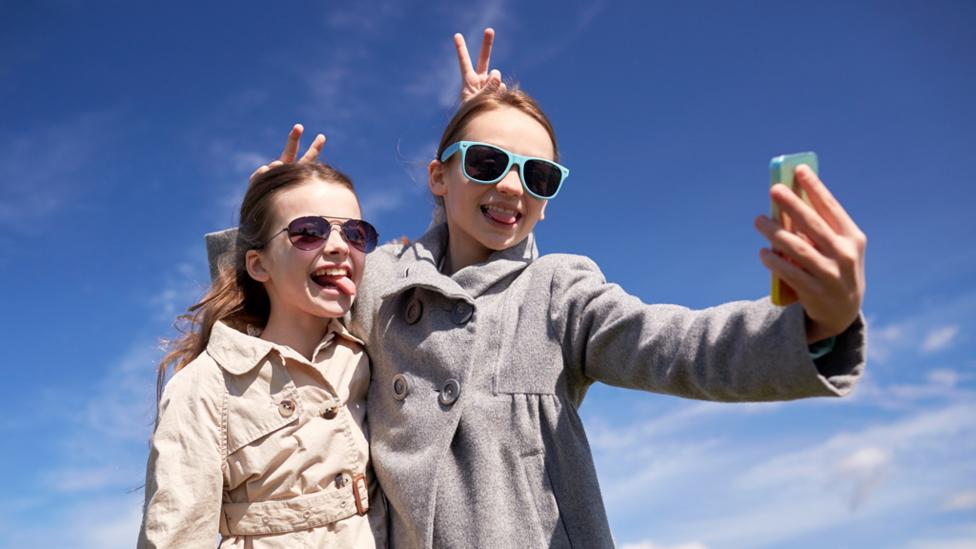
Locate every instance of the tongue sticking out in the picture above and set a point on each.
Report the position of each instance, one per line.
(343, 283)
(501, 217)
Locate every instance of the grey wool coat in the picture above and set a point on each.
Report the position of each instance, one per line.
(477, 378)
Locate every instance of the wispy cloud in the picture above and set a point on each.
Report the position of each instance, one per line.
(961, 501)
(441, 80)
(922, 331)
(940, 338)
(913, 461)
(42, 169)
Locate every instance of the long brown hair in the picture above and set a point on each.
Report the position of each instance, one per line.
(234, 297)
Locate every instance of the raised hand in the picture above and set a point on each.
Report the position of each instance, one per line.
(290, 152)
(825, 263)
(475, 80)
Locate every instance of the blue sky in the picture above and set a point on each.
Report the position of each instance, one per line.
(128, 129)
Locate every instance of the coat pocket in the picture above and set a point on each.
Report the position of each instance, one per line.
(552, 531)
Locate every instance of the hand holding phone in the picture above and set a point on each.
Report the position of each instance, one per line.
(781, 170)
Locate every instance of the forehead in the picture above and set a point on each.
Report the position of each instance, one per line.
(315, 197)
(511, 129)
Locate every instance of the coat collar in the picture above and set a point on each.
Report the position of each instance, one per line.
(419, 263)
(239, 353)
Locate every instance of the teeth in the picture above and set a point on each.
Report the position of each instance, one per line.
(503, 211)
(331, 271)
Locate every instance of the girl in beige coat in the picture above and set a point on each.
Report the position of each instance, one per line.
(261, 433)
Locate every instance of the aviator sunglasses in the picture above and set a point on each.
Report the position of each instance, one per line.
(488, 164)
(310, 233)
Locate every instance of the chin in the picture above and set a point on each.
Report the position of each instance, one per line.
(333, 309)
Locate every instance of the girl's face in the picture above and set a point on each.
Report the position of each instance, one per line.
(487, 218)
(320, 283)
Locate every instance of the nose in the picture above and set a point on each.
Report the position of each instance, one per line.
(335, 244)
(511, 184)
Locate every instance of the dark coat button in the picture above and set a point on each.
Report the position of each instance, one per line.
(401, 387)
(450, 392)
(462, 313)
(414, 310)
(331, 410)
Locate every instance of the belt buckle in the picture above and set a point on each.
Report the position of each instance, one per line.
(360, 494)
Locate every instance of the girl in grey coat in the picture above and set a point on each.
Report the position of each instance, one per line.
(482, 350)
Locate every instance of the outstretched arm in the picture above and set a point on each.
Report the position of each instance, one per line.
(824, 263)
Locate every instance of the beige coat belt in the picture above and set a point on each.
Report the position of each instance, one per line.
(259, 518)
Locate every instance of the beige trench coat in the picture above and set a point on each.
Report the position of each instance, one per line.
(258, 444)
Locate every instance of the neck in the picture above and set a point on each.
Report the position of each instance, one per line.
(462, 252)
(300, 331)
(458, 259)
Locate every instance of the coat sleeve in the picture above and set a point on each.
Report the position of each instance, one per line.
(740, 351)
(184, 476)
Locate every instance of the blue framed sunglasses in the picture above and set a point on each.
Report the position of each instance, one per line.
(488, 164)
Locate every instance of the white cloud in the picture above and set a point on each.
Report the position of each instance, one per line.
(40, 169)
(960, 501)
(864, 470)
(939, 338)
(742, 495)
(441, 79)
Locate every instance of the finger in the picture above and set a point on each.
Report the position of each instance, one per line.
(802, 282)
(797, 249)
(495, 79)
(464, 60)
(487, 40)
(312, 154)
(264, 168)
(805, 218)
(291, 145)
(258, 172)
(823, 200)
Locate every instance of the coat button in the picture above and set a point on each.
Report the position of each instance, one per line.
(462, 313)
(414, 310)
(450, 392)
(307, 514)
(341, 480)
(401, 386)
(286, 407)
(331, 410)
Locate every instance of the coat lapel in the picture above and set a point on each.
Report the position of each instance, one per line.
(418, 267)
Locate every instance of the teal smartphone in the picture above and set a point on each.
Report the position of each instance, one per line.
(781, 170)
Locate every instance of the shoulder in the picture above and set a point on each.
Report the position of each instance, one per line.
(567, 271)
(565, 262)
(200, 380)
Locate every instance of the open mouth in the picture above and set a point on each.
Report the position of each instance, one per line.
(501, 215)
(334, 278)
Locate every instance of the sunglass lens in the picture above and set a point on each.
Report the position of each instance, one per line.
(482, 163)
(360, 235)
(308, 233)
(542, 178)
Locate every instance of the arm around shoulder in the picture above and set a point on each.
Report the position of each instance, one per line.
(184, 475)
(739, 351)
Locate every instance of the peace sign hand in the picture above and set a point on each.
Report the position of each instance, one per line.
(290, 152)
(474, 81)
(824, 264)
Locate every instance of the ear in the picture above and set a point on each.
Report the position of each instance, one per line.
(542, 213)
(255, 266)
(435, 178)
